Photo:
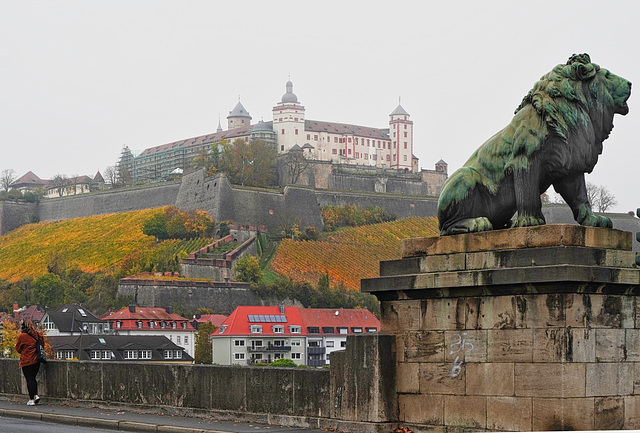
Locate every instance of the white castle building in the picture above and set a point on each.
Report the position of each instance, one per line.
(342, 143)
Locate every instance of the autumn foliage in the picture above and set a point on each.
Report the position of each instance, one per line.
(91, 244)
(351, 254)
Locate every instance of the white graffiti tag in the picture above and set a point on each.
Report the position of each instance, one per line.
(460, 343)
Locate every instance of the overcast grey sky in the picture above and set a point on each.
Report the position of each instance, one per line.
(80, 79)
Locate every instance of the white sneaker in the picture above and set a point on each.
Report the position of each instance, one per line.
(31, 403)
(36, 399)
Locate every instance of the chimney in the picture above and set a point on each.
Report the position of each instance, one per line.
(169, 310)
(132, 308)
(281, 309)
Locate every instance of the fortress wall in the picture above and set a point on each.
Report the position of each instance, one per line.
(401, 206)
(15, 214)
(112, 201)
(190, 295)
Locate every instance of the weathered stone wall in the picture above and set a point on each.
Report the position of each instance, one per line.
(401, 206)
(15, 214)
(191, 295)
(515, 330)
(291, 396)
(106, 202)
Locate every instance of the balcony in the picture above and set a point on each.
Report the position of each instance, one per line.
(270, 348)
(316, 362)
(316, 350)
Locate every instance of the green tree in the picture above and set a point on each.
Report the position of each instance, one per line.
(283, 362)
(250, 163)
(204, 351)
(49, 290)
(156, 226)
(248, 270)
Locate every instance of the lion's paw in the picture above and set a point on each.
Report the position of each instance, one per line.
(597, 221)
(470, 225)
(527, 221)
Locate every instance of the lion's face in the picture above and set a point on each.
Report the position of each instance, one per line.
(618, 88)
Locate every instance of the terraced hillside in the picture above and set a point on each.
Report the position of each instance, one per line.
(351, 254)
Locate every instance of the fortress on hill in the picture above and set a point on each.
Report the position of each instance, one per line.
(290, 130)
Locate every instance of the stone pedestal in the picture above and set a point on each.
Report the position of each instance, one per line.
(521, 329)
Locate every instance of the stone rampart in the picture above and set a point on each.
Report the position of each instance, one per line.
(112, 201)
(222, 297)
(400, 205)
(15, 214)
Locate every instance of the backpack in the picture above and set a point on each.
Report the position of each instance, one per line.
(41, 355)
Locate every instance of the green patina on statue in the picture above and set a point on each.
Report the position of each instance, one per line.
(554, 138)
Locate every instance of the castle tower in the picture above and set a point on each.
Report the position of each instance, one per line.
(238, 117)
(288, 120)
(401, 134)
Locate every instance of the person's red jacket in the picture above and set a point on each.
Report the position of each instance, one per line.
(26, 347)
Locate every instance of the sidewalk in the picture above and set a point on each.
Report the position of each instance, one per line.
(131, 421)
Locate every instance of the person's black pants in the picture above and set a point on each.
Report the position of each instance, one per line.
(30, 372)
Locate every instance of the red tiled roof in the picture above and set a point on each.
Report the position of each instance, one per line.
(238, 323)
(129, 319)
(215, 319)
(339, 318)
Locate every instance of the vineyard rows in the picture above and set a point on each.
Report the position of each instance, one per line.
(351, 254)
(92, 244)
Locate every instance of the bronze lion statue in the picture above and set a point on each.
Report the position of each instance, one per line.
(554, 138)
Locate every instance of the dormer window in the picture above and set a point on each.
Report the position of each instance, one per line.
(223, 328)
(295, 329)
(277, 329)
(139, 323)
(173, 325)
(256, 329)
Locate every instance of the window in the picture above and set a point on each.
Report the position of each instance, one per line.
(313, 329)
(335, 139)
(278, 343)
(238, 343)
(277, 329)
(118, 324)
(238, 356)
(173, 354)
(296, 129)
(405, 134)
(405, 144)
(314, 344)
(295, 342)
(256, 343)
(315, 137)
(64, 354)
(184, 325)
(178, 339)
(101, 354)
(405, 118)
(394, 157)
(151, 325)
(334, 151)
(173, 325)
(329, 343)
(308, 136)
(186, 339)
(357, 330)
(256, 329)
(222, 329)
(405, 157)
(349, 139)
(295, 329)
(295, 355)
(389, 158)
(366, 156)
(357, 154)
(163, 325)
(343, 344)
(283, 132)
(372, 330)
(280, 119)
(282, 148)
(328, 330)
(349, 151)
(356, 140)
(130, 354)
(139, 324)
(145, 354)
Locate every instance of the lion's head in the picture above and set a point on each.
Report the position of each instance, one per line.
(579, 93)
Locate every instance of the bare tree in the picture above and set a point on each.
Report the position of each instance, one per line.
(600, 197)
(7, 177)
(60, 183)
(111, 176)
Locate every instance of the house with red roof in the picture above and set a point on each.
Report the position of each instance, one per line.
(215, 319)
(256, 334)
(135, 320)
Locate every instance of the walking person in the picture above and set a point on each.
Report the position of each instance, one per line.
(26, 347)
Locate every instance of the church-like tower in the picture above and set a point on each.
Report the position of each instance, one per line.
(288, 120)
(401, 135)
